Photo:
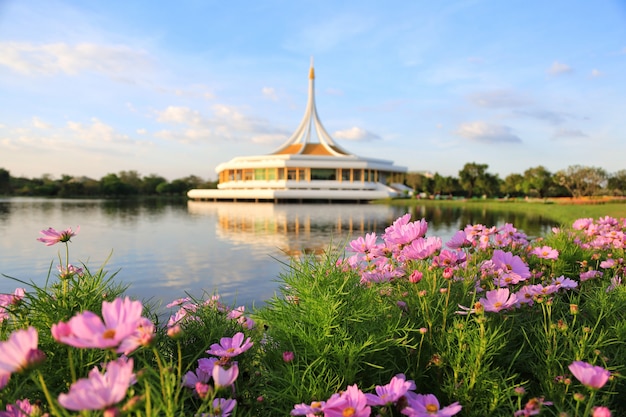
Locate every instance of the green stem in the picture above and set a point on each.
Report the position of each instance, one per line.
(49, 399)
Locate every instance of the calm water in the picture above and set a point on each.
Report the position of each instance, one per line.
(164, 250)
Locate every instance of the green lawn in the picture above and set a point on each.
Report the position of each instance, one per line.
(564, 214)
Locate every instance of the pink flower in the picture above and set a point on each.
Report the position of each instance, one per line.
(222, 407)
(100, 391)
(18, 353)
(21, 408)
(459, 240)
(532, 407)
(363, 245)
(498, 300)
(52, 237)
(545, 252)
(416, 276)
(230, 347)
(584, 276)
(600, 412)
(390, 393)
(428, 406)
(352, 402)
(312, 409)
(288, 356)
(591, 376)
(509, 268)
(9, 300)
(122, 319)
(225, 376)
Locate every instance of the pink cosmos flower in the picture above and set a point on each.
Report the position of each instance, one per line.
(459, 240)
(428, 406)
(230, 347)
(498, 300)
(532, 407)
(600, 412)
(363, 245)
(564, 283)
(18, 353)
(510, 268)
(222, 407)
(351, 402)
(390, 393)
(225, 375)
(402, 232)
(288, 356)
(21, 408)
(9, 300)
(545, 252)
(100, 391)
(313, 409)
(591, 376)
(52, 236)
(584, 276)
(122, 319)
(421, 248)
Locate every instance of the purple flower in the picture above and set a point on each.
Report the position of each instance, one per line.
(18, 353)
(352, 402)
(545, 252)
(52, 236)
(288, 356)
(591, 376)
(428, 406)
(100, 390)
(229, 347)
(390, 393)
(459, 240)
(312, 409)
(498, 300)
(21, 408)
(222, 407)
(225, 375)
(509, 268)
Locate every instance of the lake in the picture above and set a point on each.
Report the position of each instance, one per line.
(167, 249)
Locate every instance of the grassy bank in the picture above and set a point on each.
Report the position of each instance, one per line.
(563, 211)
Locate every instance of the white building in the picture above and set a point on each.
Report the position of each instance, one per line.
(303, 169)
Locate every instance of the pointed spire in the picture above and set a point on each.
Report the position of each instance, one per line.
(302, 136)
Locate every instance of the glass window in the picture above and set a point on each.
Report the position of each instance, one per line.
(259, 174)
(291, 174)
(323, 174)
(356, 174)
(345, 175)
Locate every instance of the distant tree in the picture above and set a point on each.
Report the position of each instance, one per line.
(112, 185)
(512, 185)
(132, 181)
(537, 182)
(446, 185)
(617, 182)
(473, 178)
(418, 182)
(5, 181)
(150, 183)
(582, 181)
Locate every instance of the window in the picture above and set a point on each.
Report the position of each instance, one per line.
(345, 175)
(323, 174)
(259, 174)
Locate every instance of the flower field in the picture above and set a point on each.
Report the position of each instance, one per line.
(489, 323)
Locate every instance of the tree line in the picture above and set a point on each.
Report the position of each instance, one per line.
(120, 185)
(473, 180)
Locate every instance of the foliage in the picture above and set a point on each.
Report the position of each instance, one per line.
(400, 305)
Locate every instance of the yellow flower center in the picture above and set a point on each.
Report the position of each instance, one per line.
(348, 412)
(230, 350)
(431, 408)
(109, 334)
(496, 304)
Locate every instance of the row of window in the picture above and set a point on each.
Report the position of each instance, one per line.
(303, 174)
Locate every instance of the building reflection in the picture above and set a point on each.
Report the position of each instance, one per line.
(295, 228)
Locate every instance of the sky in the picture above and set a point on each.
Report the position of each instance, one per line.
(89, 88)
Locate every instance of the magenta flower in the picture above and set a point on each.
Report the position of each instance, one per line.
(100, 391)
(230, 347)
(498, 300)
(225, 375)
(593, 377)
(600, 412)
(9, 300)
(390, 393)
(122, 319)
(18, 353)
(288, 356)
(352, 402)
(428, 406)
(510, 268)
(52, 236)
(313, 409)
(363, 245)
(222, 407)
(545, 252)
(21, 408)
(459, 240)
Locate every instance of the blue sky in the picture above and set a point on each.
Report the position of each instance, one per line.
(175, 88)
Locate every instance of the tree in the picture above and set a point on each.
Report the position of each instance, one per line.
(5, 181)
(473, 178)
(617, 182)
(537, 182)
(513, 185)
(582, 181)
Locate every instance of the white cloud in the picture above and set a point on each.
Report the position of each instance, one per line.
(480, 131)
(356, 134)
(596, 73)
(559, 68)
(270, 138)
(498, 99)
(97, 132)
(270, 93)
(141, 131)
(62, 58)
(39, 124)
(179, 115)
(569, 133)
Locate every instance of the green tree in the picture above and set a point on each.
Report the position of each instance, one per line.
(5, 181)
(512, 185)
(617, 182)
(537, 182)
(112, 185)
(473, 178)
(582, 181)
(150, 183)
